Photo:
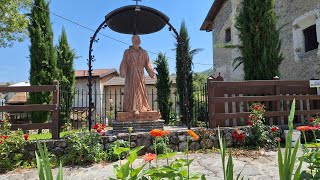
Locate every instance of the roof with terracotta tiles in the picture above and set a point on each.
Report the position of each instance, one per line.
(95, 73)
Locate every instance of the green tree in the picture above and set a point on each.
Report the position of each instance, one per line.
(43, 68)
(163, 86)
(260, 39)
(184, 80)
(65, 59)
(13, 23)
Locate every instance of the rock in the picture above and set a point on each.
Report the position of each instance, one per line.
(194, 146)
(150, 149)
(49, 144)
(182, 146)
(173, 147)
(58, 151)
(144, 142)
(182, 138)
(133, 144)
(31, 146)
(229, 139)
(112, 138)
(174, 140)
(60, 144)
(206, 144)
(134, 137)
(123, 136)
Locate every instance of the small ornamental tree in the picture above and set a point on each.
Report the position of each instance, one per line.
(163, 86)
(260, 48)
(184, 78)
(43, 68)
(65, 58)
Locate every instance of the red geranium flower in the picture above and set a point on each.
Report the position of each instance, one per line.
(96, 126)
(103, 134)
(311, 119)
(99, 130)
(274, 129)
(250, 123)
(26, 137)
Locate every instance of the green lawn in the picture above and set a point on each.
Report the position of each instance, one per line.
(312, 145)
(49, 135)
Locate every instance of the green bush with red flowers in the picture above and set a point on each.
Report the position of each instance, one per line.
(261, 136)
(12, 143)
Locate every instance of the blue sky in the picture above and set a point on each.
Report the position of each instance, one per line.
(15, 63)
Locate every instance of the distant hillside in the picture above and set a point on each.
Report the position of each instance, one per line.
(207, 72)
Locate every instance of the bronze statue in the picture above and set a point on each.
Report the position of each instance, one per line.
(135, 59)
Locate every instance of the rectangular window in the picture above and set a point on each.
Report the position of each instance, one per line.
(228, 35)
(310, 38)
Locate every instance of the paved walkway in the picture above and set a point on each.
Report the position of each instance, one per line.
(264, 167)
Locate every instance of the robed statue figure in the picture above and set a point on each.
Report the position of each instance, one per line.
(135, 59)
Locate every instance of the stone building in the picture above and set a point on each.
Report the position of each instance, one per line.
(300, 37)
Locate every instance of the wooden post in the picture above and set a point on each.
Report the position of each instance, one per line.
(55, 113)
(215, 107)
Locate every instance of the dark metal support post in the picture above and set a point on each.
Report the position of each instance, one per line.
(90, 60)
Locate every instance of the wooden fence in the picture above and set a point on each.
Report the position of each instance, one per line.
(54, 107)
(229, 102)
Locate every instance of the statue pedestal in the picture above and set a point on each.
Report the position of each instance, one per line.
(142, 122)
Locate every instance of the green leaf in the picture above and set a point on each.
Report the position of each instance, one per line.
(119, 150)
(60, 173)
(168, 155)
(132, 157)
(136, 171)
(40, 167)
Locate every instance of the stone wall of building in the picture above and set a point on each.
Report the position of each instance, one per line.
(223, 57)
(296, 64)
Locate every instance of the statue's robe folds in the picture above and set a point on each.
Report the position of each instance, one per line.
(132, 69)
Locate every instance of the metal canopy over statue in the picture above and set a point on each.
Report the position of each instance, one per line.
(135, 20)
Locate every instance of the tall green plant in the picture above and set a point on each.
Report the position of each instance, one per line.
(260, 48)
(43, 62)
(44, 166)
(287, 161)
(227, 168)
(65, 59)
(184, 80)
(163, 86)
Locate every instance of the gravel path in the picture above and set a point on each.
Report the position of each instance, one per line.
(263, 167)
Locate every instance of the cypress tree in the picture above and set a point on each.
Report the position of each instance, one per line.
(184, 78)
(42, 56)
(260, 39)
(163, 86)
(65, 59)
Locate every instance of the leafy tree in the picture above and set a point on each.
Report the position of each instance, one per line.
(43, 69)
(13, 23)
(184, 80)
(65, 59)
(163, 86)
(259, 35)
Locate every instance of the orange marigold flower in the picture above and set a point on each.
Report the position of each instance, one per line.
(156, 133)
(193, 135)
(149, 157)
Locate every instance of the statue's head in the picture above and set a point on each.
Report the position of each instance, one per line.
(136, 40)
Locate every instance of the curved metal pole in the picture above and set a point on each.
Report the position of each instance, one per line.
(90, 60)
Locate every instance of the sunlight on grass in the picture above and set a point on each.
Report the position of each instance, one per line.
(49, 135)
(312, 145)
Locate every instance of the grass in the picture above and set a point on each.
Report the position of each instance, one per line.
(312, 145)
(43, 136)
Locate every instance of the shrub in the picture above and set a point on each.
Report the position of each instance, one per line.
(261, 136)
(83, 149)
(112, 156)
